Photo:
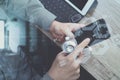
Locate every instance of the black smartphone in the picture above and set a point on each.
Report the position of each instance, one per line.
(96, 31)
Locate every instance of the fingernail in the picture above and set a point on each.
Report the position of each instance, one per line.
(71, 35)
(82, 25)
(87, 39)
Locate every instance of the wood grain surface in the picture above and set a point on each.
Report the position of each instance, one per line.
(104, 63)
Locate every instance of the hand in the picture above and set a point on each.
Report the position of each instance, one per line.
(68, 67)
(60, 30)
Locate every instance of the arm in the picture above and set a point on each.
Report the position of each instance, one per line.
(32, 11)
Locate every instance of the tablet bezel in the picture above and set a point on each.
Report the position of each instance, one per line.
(85, 9)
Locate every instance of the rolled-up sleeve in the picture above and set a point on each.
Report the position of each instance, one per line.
(32, 11)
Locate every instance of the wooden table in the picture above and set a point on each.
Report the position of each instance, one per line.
(104, 62)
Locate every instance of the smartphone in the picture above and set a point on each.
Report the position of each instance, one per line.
(96, 31)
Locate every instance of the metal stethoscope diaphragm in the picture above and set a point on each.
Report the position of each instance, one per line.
(69, 45)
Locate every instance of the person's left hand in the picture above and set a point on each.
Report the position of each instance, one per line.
(67, 67)
(60, 30)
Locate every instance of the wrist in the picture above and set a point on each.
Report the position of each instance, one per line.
(52, 75)
(53, 25)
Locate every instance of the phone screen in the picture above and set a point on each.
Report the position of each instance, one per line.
(79, 3)
(96, 31)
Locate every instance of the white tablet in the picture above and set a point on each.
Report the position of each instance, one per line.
(82, 6)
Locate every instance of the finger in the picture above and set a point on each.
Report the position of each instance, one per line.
(79, 58)
(53, 35)
(56, 38)
(69, 33)
(77, 26)
(79, 48)
(62, 53)
(73, 27)
(60, 38)
(78, 71)
(75, 76)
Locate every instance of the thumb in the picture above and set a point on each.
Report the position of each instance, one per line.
(72, 28)
(69, 33)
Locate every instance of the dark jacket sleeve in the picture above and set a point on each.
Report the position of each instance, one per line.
(45, 77)
(32, 11)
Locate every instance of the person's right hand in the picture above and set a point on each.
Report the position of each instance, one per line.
(68, 67)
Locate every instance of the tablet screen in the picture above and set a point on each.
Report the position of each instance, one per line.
(82, 6)
(79, 3)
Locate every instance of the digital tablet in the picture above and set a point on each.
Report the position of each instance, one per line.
(82, 6)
